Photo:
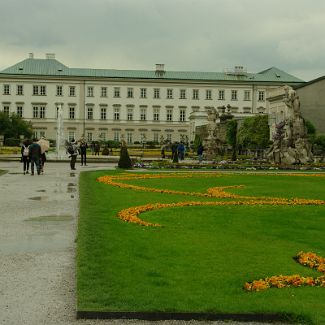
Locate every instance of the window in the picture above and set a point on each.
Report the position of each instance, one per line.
(169, 137)
(103, 113)
(90, 91)
(35, 111)
(208, 94)
(129, 138)
(116, 114)
(71, 136)
(130, 93)
(116, 136)
(195, 94)
(182, 115)
(6, 89)
(234, 95)
(20, 111)
(71, 113)
(143, 92)
(261, 95)
(6, 110)
(89, 136)
(221, 95)
(42, 90)
(39, 90)
(42, 134)
(247, 95)
(42, 112)
(156, 114)
(20, 90)
(169, 115)
(156, 93)
(143, 114)
(72, 91)
(156, 137)
(90, 113)
(59, 90)
(103, 92)
(169, 93)
(117, 92)
(130, 114)
(182, 94)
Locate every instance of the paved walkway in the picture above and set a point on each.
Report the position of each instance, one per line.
(38, 221)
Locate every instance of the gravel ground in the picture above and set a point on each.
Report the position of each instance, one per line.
(38, 221)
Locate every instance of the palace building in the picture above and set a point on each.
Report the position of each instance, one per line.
(137, 105)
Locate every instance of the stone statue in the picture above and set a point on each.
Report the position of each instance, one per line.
(290, 144)
(212, 117)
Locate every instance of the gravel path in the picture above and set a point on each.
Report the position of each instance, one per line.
(38, 221)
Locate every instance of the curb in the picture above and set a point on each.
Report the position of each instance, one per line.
(160, 316)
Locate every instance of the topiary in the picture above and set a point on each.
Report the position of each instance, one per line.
(124, 161)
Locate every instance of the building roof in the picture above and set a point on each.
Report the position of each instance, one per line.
(52, 67)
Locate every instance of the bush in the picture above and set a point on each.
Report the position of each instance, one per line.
(12, 142)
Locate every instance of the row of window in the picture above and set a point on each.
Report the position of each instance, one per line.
(39, 112)
(40, 90)
(131, 137)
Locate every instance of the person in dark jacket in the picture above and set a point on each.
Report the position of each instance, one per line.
(35, 156)
(200, 152)
(73, 155)
(83, 152)
(25, 156)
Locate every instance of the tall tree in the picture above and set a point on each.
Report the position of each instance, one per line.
(232, 137)
(13, 126)
(254, 132)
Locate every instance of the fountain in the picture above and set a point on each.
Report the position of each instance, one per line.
(60, 140)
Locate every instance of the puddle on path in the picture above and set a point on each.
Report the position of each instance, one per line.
(15, 173)
(38, 198)
(71, 190)
(41, 191)
(50, 218)
(72, 174)
(42, 234)
(72, 184)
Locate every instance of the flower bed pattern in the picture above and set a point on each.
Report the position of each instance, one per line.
(131, 215)
(284, 281)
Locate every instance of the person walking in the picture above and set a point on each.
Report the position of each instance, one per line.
(45, 145)
(25, 156)
(73, 152)
(200, 152)
(35, 157)
(83, 152)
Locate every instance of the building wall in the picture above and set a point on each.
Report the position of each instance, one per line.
(97, 128)
(312, 102)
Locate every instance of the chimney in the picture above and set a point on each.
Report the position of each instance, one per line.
(160, 69)
(50, 55)
(31, 55)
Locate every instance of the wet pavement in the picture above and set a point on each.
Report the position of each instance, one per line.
(38, 222)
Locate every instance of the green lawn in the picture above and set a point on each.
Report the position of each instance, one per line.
(201, 257)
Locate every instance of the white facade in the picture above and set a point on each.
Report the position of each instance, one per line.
(137, 109)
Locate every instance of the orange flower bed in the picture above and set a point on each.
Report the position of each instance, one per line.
(284, 281)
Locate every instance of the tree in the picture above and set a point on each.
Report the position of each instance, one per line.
(254, 133)
(13, 126)
(232, 137)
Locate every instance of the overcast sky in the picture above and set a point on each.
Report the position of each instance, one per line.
(185, 35)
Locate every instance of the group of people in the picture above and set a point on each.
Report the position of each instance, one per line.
(179, 150)
(33, 155)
